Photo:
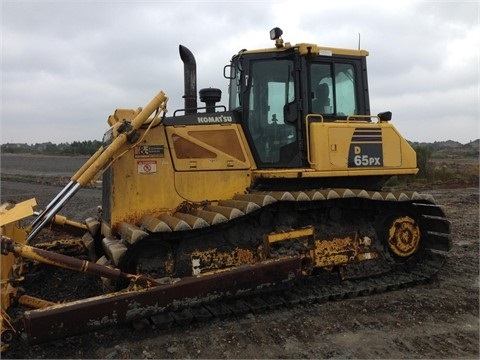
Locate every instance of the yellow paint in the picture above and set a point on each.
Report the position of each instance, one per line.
(288, 235)
(404, 236)
(398, 156)
(10, 213)
(201, 168)
(10, 216)
(305, 49)
(204, 261)
(343, 250)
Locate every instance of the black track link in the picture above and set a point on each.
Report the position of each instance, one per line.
(306, 291)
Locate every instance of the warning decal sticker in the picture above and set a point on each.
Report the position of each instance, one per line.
(147, 167)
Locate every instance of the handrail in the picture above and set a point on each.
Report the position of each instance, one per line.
(307, 133)
(369, 117)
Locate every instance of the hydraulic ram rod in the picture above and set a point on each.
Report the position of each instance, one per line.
(70, 263)
(72, 182)
(101, 159)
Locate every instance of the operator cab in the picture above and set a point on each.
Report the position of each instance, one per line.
(275, 90)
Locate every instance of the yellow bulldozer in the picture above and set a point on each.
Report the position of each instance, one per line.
(275, 198)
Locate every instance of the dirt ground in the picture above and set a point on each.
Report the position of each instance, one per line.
(438, 320)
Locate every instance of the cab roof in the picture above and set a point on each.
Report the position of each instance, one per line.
(305, 49)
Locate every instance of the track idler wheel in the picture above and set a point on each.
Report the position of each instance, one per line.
(403, 236)
(8, 336)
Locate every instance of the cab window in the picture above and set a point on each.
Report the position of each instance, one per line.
(333, 89)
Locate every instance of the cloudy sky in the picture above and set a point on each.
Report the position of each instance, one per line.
(66, 65)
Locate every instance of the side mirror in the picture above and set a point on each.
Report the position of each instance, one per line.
(385, 116)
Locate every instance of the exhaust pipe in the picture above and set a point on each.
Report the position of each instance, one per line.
(190, 80)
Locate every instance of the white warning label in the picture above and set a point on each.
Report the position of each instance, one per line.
(147, 167)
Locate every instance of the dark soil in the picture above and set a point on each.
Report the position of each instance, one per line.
(439, 319)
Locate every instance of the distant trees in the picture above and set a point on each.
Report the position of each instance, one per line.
(448, 164)
(82, 148)
(48, 148)
(424, 153)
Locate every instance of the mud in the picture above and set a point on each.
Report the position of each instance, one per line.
(439, 319)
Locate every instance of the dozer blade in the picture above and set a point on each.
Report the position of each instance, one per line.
(63, 320)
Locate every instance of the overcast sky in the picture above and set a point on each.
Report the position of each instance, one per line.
(66, 65)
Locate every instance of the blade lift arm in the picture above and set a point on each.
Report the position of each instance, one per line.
(71, 263)
(99, 161)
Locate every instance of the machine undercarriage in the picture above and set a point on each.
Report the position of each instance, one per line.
(276, 249)
(339, 228)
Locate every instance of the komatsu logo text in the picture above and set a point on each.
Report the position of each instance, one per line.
(214, 119)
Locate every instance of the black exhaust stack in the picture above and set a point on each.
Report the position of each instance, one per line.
(190, 80)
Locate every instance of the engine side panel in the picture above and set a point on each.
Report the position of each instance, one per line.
(362, 148)
(173, 165)
(141, 181)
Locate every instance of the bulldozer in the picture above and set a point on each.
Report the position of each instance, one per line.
(276, 198)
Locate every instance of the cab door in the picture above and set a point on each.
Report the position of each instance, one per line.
(273, 138)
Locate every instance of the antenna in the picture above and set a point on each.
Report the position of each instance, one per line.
(358, 41)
